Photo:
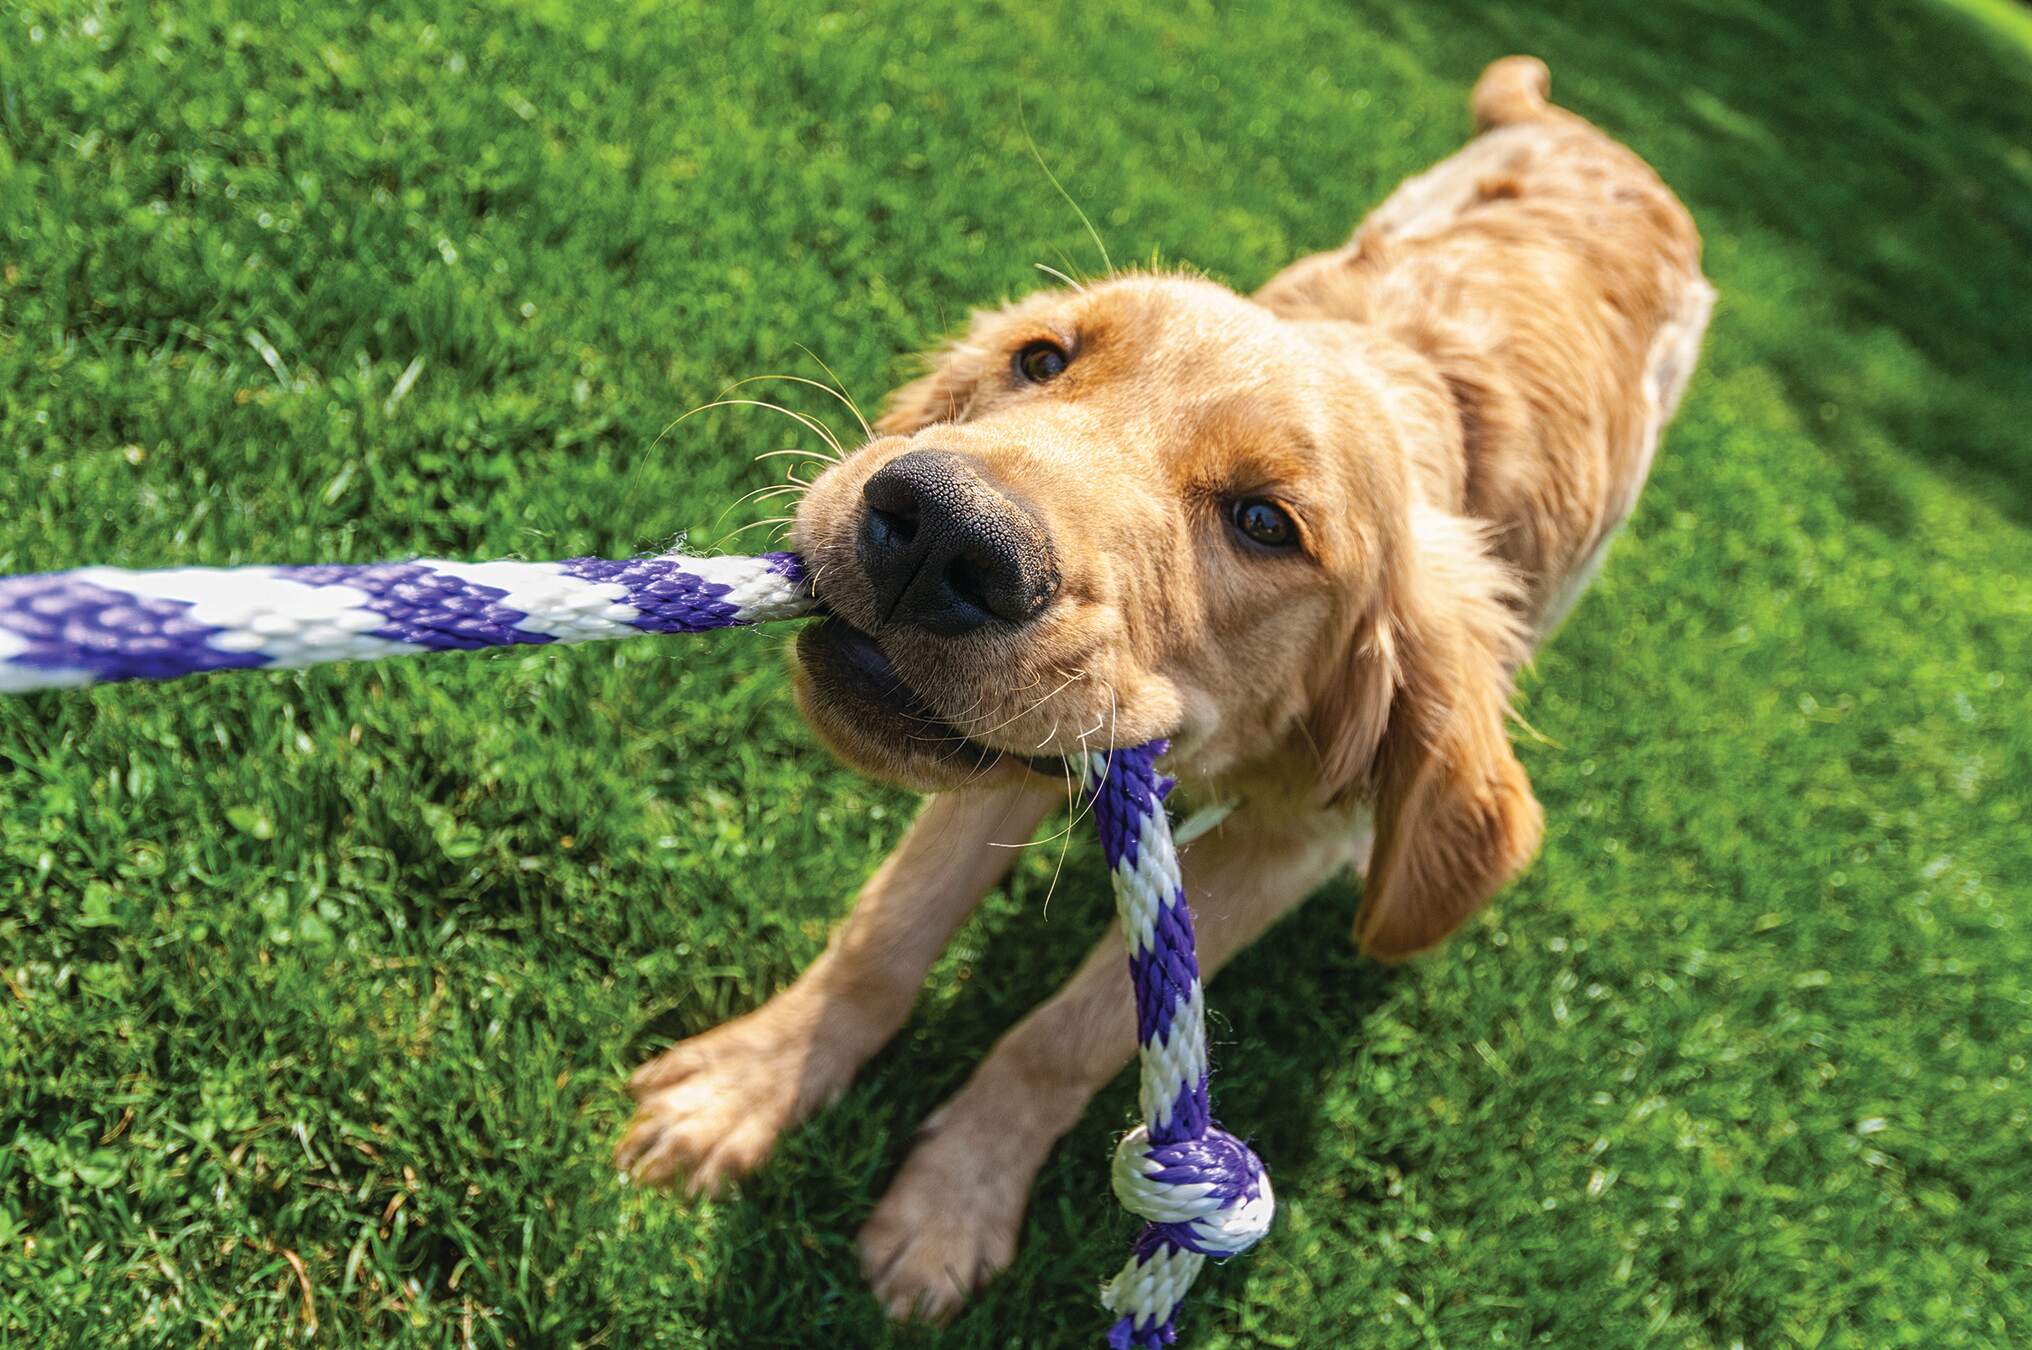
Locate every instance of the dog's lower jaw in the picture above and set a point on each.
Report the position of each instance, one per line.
(894, 739)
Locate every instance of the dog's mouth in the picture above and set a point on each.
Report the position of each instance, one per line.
(851, 665)
(858, 698)
(854, 697)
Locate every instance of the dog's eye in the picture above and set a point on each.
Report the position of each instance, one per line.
(1265, 522)
(1041, 362)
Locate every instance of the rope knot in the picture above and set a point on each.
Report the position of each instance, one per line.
(1209, 1195)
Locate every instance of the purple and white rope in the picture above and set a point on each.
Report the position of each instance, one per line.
(1204, 1191)
(1201, 1189)
(101, 623)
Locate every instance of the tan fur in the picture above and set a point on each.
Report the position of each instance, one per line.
(1458, 406)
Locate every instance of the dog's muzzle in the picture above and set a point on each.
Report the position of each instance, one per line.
(945, 552)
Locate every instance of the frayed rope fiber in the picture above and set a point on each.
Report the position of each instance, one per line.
(1202, 1191)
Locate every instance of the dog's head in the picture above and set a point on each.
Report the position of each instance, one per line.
(1150, 507)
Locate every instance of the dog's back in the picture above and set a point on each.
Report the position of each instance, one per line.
(1553, 281)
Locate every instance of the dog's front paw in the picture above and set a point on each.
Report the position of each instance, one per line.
(948, 1223)
(709, 1109)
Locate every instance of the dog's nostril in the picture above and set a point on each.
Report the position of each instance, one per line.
(963, 578)
(893, 527)
(945, 552)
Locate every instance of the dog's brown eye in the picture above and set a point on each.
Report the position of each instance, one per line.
(1265, 523)
(1041, 362)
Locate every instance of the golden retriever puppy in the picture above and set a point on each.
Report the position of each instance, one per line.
(1307, 534)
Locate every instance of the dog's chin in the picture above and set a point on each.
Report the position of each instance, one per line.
(865, 713)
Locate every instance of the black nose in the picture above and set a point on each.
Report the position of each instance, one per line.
(946, 552)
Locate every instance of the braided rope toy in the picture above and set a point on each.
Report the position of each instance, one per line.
(100, 623)
(1202, 1191)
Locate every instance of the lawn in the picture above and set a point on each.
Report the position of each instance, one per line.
(319, 987)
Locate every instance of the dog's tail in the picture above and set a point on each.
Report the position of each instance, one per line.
(1514, 89)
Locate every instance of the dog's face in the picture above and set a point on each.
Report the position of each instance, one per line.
(1146, 508)
(1149, 508)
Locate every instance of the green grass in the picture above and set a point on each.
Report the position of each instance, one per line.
(344, 967)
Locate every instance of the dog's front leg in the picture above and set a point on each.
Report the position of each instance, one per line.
(709, 1109)
(949, 1220)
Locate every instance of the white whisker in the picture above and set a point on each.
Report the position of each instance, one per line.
(977, 731)
(753, 524)
(829, 390)
(1051, 271)
(800, 454)
(839, 390)
(809, 423)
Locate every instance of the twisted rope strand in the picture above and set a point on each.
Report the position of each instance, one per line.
(98, 624)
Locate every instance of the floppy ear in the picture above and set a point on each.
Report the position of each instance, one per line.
(1418, 723)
